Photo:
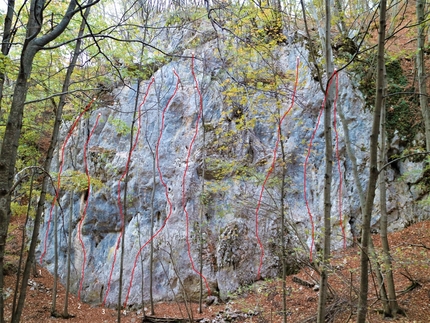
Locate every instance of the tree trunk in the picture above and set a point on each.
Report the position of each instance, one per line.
(325, 36)
(142, 269)
(283, 253)
(383, 209)
(329, 97)
(201, 215)
(372, 253)
(373, 174)
(422, 77)
(24, 236)
(6, 45)
(61, 104)
(69, 249)
(55, 285)
(9, 149)
(393, 306)
(151, 252)
(133, 142)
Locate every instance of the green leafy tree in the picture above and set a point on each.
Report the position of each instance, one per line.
(37, 37)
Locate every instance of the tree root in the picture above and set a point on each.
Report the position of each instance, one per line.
(414, 284)
(61, 315)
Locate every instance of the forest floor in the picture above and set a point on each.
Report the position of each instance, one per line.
(262, 301)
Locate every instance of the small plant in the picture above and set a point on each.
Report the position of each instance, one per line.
(76, 181)
(121, 127)
(18, 209)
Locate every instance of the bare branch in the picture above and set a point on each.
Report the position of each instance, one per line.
(421, 245)
(59, 94)
(403, 157)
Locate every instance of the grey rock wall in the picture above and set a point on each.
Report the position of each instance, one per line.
(231, 251)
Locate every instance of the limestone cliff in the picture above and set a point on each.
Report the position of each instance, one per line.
(227, 161)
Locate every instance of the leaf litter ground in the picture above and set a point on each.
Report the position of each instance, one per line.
(262, 301)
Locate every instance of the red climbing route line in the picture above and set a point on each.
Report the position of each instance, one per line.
(306, 163)
(124, 174)
(86, 206)
(178, 81)
(184, 202)
(338, 160)
(60, 170)
(272, 167)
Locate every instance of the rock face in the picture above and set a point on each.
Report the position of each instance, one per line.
(199, 179)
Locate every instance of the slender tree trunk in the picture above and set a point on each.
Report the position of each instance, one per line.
(322, 300)
(383, 210)
(187, 304)
(325, 35)
(121, 264)
(24, 235)
(393, 306)
(202, 212)
(54, 287)
(283, 254)
(151, 252)
(68, 266)
(372, 252)
(30, 257)
(61, 104)
(142, 285)
(136, 102)
(422, 75)
(151, 255)
(6, 45)
(324, 270)
(373, 174)
(136, 114)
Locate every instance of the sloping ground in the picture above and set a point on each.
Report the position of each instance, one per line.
(262, 301)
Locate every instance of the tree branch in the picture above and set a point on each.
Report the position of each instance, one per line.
(421, 245)
(20, 179)
(403, 157)
(59, 94)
